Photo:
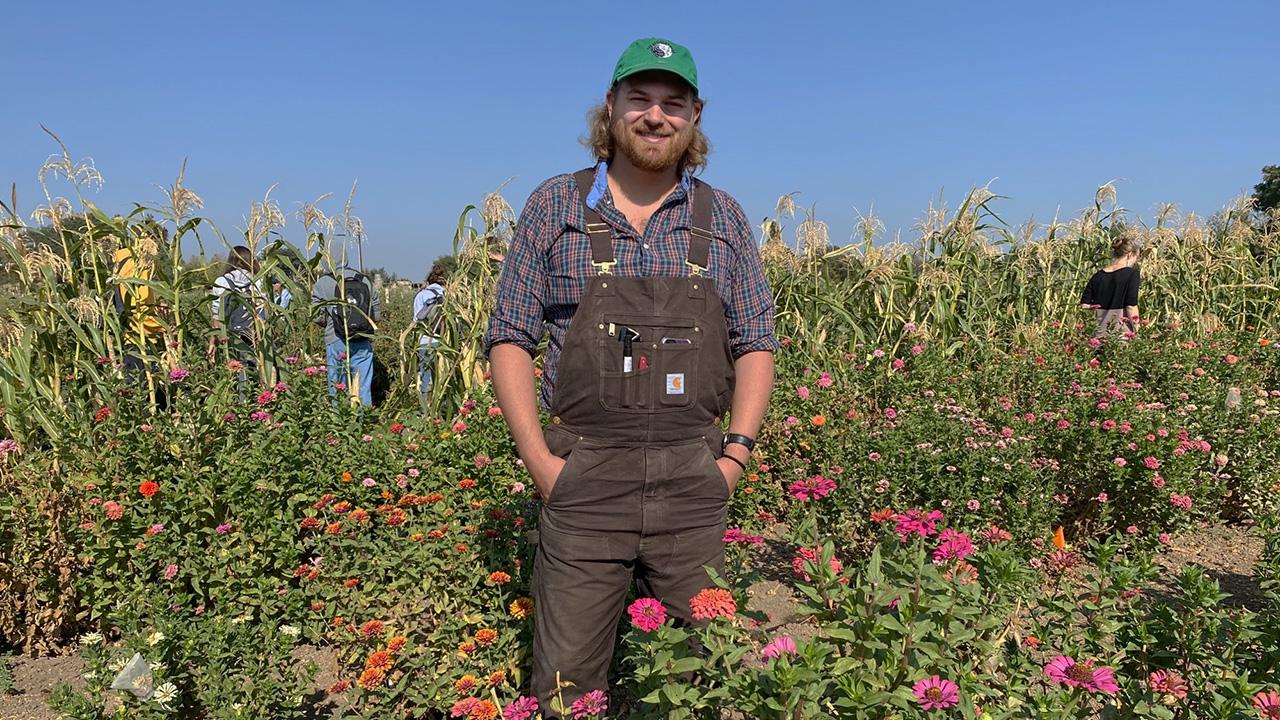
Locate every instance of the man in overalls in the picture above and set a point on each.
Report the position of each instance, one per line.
(661, 321)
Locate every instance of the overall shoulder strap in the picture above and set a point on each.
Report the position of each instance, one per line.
(597, 230)
(700, 235)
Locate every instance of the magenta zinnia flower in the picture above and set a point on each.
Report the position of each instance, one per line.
(1066, 671)
(779, 646)
(521, 709)
(812, 488)
(593, 703)
(178, 374)
(935, 693)
(647, 614)
(954, 546)
(916, 522)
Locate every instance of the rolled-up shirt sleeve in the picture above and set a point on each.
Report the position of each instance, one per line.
(518, 315)
(749, 308)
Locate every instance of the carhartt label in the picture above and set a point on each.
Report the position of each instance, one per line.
(675, 383)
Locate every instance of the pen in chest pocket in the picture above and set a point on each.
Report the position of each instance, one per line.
(627, 336)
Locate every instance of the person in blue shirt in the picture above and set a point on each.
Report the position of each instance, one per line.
(426, 308)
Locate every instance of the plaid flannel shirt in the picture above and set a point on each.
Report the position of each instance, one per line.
(550, 260)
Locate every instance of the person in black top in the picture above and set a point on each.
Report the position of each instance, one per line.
(1112, 293)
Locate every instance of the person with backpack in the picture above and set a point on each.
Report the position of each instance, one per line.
(349, 311)
(662, 322)
(426, 310)
(234, 309)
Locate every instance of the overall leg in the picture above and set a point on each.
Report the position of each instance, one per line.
(588, 536)
(686, 499)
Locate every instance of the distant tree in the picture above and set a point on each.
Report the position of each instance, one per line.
(1266, 194)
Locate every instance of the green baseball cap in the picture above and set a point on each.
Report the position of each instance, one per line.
(657, 54)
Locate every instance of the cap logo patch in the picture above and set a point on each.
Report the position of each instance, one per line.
(661, 50)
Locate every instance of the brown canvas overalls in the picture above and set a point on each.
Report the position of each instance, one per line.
(645, 375)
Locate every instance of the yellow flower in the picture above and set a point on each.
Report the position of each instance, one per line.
(521, 608)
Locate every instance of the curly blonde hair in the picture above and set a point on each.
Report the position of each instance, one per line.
(599, 140)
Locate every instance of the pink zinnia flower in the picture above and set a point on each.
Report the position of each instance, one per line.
(873, 456)
(973, 505)
(812, 555)
(737, 536)
(1066, 671)
(1162, 682)
(1164, 538)
(178, 375)
(779, 646)
(647, 614)
(803, 392)
(1151, 463)
(1267, 704)
(935, 693)
(266, 397)
(1121, 462)
(954, 546)
(522, 709)
(593, 703)
(916, 522)
(171, 571)
(890, 413)
(877, 353)
(995, 534)
(825, 381)
(811, 488)
(223, 529)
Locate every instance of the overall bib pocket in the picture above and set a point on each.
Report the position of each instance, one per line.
(647, 364)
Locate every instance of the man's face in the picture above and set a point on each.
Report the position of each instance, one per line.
(652, 118)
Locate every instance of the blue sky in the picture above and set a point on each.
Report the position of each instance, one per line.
(430, 106)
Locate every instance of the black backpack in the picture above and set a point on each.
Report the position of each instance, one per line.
(353, 319)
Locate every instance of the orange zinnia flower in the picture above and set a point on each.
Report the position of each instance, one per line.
(333, 528)
(346, 477)
(466, 648)
(712, 603)
(486, 636)
(397, 643)
(1264, 342)
(373, 628)
(339, 687)
(499, 578)
(380, 660)
(371, 678)
(466, 483)
(417, 537)
(148, 488)
(818, 420)
(310, 523)
(483, 710)
(497, 677)
(522, 608)
(466, 684)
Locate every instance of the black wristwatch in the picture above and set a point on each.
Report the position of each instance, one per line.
(743, 440)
